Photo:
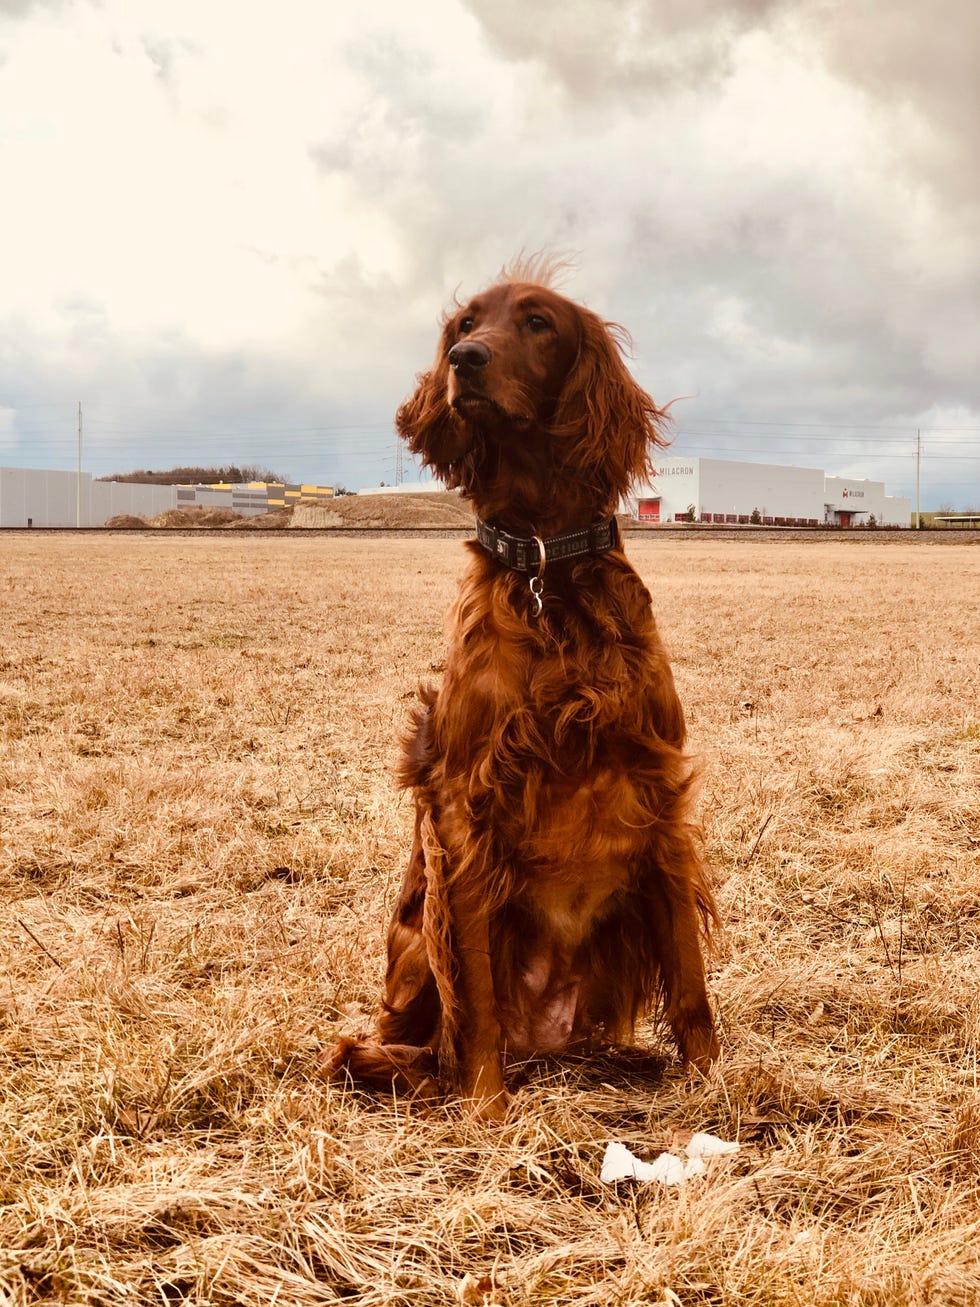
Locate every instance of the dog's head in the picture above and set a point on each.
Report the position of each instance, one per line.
(529, 402)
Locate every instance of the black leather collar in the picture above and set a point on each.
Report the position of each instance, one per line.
(524, 553)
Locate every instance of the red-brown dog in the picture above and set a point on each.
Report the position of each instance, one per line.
(554, 891)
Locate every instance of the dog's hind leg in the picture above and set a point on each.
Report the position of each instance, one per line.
(397, 1068)
(402, 1056)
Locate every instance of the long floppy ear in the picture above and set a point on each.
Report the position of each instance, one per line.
(606, 425)
(427, 423)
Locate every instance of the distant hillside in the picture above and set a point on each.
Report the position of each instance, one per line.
(198, 476)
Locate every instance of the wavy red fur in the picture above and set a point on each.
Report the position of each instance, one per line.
(554, 893)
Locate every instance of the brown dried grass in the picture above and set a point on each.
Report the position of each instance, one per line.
(199, 845)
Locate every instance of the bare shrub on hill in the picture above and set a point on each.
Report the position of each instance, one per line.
(230, 474)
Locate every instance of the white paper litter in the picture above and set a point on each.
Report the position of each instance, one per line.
(710, 1146)
(620, 1164)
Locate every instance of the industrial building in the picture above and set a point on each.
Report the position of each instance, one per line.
(31, 497)
(250, 498)
(724, 492)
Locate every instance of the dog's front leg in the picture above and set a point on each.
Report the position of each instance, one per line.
(476, 1033)
(456, 928)
(688, 1013)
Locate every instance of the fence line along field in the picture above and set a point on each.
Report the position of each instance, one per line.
(199, 846)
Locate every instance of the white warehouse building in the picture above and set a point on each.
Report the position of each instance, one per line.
(43, 498)
(724, 492)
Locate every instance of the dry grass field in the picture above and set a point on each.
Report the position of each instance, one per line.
(199, 844)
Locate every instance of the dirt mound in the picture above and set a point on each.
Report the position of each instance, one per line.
(204, 515)
(172, 517)
(387, 512)
(126, 522)
(196, 515)
(271, 521)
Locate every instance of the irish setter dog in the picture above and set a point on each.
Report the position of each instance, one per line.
(554, 891)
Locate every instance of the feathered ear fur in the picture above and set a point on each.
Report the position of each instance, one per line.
(427, 423)
(606, 425)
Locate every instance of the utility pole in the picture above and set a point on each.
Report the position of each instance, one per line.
(78, 483)
(399, 467)
(918, 477)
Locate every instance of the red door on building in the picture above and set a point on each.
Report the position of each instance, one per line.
(844, 519)
(648, 510)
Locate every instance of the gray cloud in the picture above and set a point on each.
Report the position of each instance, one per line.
(916, 65)
(921, 66)
(21, 8)
(623, 48)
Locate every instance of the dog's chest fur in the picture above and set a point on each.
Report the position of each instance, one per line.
(555, 719)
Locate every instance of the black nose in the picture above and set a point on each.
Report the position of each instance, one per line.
(468, 356)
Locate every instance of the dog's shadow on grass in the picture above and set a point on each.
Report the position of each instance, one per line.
(606, 1068)
(617, 1086)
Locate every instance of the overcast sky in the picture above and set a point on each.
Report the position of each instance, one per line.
(229, 230)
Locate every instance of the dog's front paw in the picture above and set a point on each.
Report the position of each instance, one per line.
(699, 1047)
(482, 1091)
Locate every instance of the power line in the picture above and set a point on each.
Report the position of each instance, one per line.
(873, 454)
(380, 440)
(843, 426)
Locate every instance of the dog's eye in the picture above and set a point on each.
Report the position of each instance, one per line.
(537, 323)
(465, 325)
